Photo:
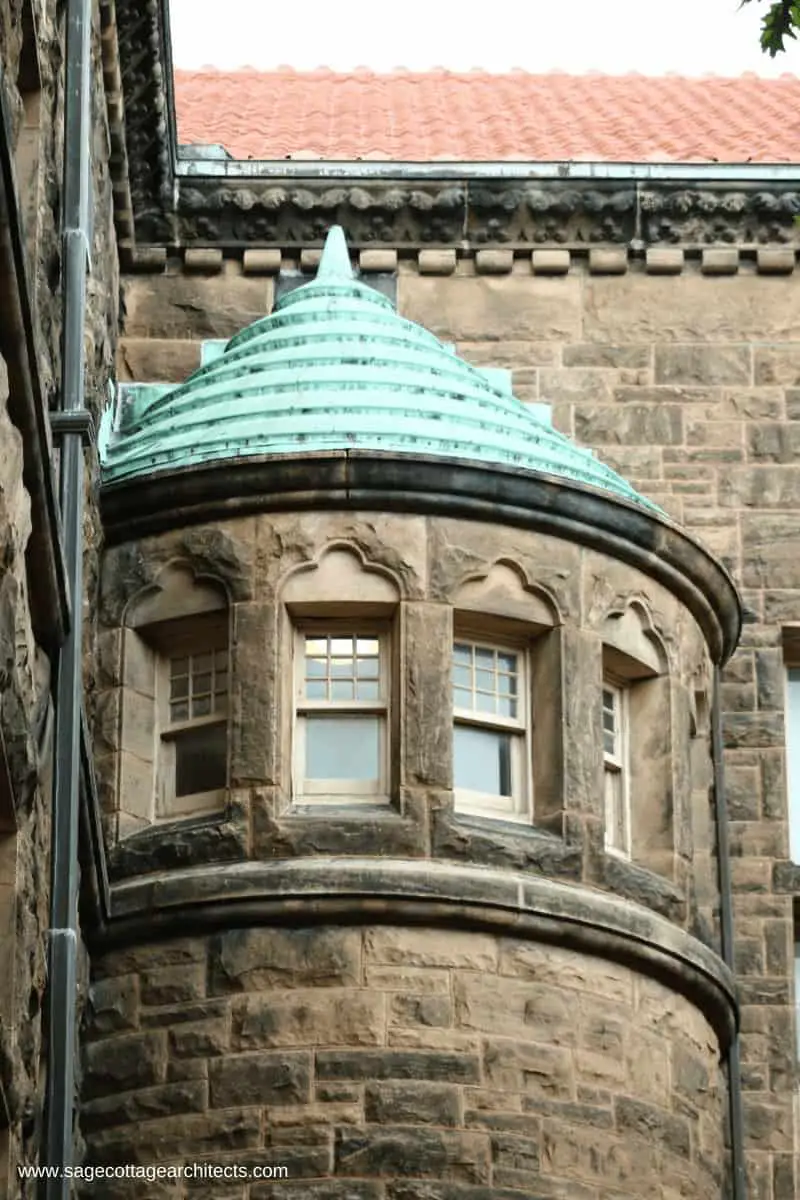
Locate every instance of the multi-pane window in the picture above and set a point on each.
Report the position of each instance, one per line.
(341, 711)
(194, 722)
(616, 769)
(793, 758)
(490, 737)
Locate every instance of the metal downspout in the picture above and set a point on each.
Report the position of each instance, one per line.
(739, 1179)
(71, 424)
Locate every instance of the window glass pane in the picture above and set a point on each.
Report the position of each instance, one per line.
(484, 679)
(482, 760)
(343, 659)
(341, 689)
(201, 760)
(367, 689)
(793, 759)
(342, 747)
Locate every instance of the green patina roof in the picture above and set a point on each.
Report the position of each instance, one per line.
(335, 368)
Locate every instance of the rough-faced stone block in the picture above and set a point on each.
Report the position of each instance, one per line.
(195, 307)
(132, 1060)
(701, 364)
(157, 360)
(430, 948)
(402, 1103)
(471, 309)
(447, 1066)
(144, 1104)
(253, 959)
(418, 1151)
(200, 1039)
(689, 308)
(322, 1017)
(113, 1005)
(260, 1079)
(632, 423)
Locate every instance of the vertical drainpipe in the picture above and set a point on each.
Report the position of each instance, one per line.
(71, 424)
(736, 1117)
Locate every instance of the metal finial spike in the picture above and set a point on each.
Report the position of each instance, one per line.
(335, 261)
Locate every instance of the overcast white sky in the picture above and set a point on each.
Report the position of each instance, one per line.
(692, 37)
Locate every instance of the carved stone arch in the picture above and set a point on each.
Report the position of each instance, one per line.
(632, 643)
(341, 574)
(171, 626)
(504, 590)
(177, 591)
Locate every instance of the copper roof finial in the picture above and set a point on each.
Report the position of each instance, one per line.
(335, 261)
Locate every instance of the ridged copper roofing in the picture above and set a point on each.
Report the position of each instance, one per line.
(335, 368)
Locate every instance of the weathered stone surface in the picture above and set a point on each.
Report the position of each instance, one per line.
(262, 958)
(113, 1005)
(688, 308)
(305, 1017)
(144, 1104)
(157, 360)
(420, 1151)
(128, 1061)
(402, 1103)
(636, 424)
(180, 306)
(266, 1078)
(397, 1064)
(515, 307)
(703, 364)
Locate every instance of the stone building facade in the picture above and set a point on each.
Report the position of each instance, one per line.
(421, 1001)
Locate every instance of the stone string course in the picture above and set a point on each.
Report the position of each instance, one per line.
(377, 1064)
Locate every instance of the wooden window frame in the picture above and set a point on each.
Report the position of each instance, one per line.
(519, 805)
(341, 792)
(191, 636)
(616, 763)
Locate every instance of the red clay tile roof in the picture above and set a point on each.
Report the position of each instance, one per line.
(474, 117)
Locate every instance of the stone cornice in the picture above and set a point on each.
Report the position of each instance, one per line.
(210, 201)
(369, 480)
(404, 891)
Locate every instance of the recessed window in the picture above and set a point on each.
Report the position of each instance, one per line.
(793, 759)
(193, 727)
(490, 735)
(341, 716)
(616, 770)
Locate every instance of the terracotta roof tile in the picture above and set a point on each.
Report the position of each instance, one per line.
(474, 116)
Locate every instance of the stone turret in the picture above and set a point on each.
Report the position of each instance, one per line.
(406, 768)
